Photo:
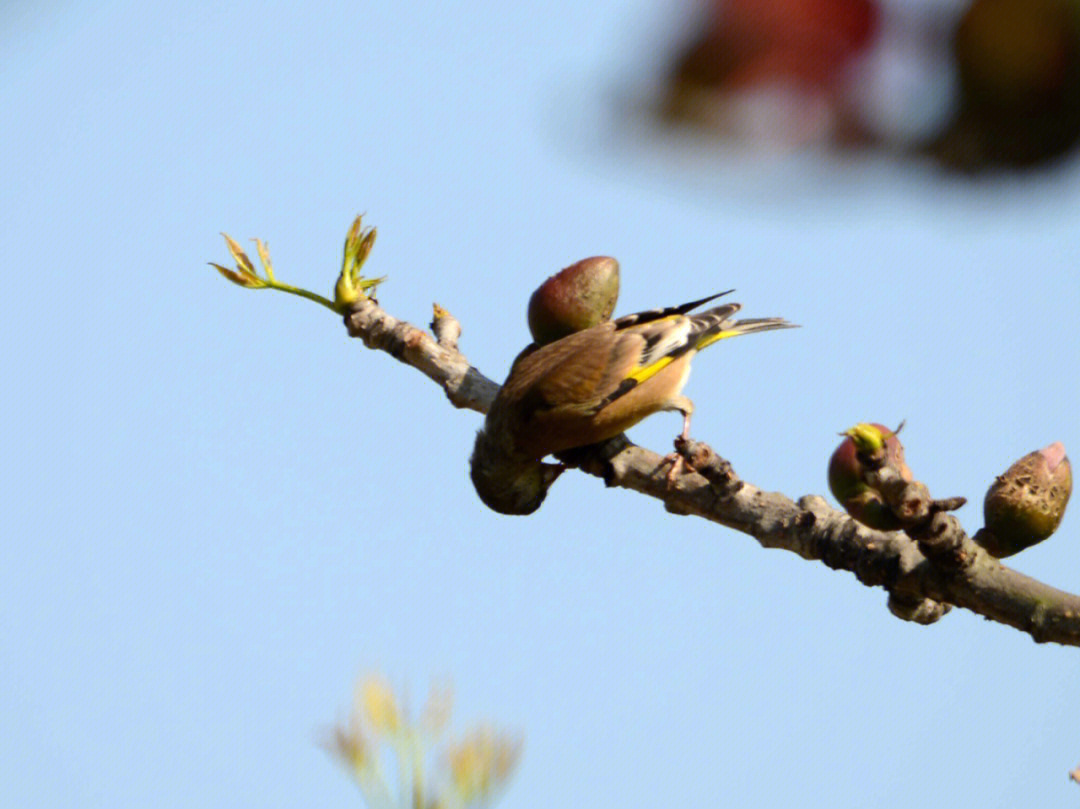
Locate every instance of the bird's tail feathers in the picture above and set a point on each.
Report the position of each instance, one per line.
(719, 328)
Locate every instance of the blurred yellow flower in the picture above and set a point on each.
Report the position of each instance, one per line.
(350, 746)
(379, 736)
(379, 705)
(482, 762)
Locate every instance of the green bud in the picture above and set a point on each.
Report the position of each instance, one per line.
(1025, 505)
(867, 437)
(577, 298)
(346, 291)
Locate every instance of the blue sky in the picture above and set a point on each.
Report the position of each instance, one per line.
(219, 509)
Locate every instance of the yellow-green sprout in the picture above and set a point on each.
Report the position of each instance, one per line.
(351, 286)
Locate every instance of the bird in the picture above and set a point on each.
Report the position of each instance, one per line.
(591, 386)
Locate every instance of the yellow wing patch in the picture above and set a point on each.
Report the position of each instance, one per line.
(639, 375)
(720, 335)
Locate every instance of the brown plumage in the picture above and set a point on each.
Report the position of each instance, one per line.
(588, 387)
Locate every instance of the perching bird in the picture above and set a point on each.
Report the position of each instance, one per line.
(588, 387)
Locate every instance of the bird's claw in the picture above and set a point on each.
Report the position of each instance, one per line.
(676, 460)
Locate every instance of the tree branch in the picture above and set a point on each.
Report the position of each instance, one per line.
(923, 575)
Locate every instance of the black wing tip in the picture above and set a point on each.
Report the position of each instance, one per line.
(669, 311)
(687, 307)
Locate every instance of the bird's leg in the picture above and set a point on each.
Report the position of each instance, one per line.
(685, 434)
(675, 459)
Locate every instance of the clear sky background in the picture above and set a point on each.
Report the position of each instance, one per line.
(218, 509)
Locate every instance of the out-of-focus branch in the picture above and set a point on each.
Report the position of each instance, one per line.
(961, 573)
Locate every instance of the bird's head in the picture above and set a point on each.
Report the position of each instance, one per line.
(507, 484)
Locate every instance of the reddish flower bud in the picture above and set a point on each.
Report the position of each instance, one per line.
(574, 299)
(850, 464)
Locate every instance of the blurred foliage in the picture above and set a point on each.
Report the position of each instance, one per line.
(973, 85)
(379, 745)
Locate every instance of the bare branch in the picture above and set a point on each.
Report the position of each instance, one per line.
(465, 386)
(940, 566)
(445, 327)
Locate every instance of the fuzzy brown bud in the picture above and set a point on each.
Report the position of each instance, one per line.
(1025, 505)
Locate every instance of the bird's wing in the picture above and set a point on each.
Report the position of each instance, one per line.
(651, 347)
(586, 371)
(573, 371)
